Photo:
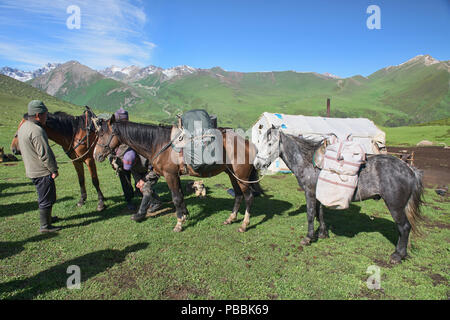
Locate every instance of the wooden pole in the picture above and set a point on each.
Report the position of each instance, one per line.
(328, 107)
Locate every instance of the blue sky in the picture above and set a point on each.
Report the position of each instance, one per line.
(246, 35)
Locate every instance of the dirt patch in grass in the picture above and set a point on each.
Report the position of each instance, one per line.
(276, 176)
(435, 224)
(382, 263)
(372, 294)
(183, 292)
(272, 296)
(438, 279)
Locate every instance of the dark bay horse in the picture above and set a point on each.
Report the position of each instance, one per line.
(76, 135)
(382, 176)
(149, 140)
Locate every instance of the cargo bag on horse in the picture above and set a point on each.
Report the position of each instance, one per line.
(339, 175)
(202, 148)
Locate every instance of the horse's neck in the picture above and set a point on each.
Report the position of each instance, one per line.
(58, 138)
(148, 150)
(292, 155)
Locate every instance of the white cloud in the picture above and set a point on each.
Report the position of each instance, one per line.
(111, 32)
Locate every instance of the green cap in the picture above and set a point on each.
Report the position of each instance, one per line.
(35, 107)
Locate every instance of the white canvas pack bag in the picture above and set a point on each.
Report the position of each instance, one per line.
(339, 177)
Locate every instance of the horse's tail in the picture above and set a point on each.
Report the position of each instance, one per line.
(255, 187)
(412, 209)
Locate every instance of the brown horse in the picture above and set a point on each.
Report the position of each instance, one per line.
(153, 142)
(77, 137)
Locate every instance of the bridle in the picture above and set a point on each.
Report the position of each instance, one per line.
(265, 159)
(81, 141)
(106, 146)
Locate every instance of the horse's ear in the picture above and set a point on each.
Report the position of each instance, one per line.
(112, 119)
(273, 126)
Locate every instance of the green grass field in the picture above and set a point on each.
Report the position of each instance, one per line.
(410, 136)
(121, 259)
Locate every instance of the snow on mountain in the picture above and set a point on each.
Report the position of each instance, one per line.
(133, 73)
(28, 75)
(127, 74)
(329, 75)
(17, 74)
(426, 59)
(178, 71)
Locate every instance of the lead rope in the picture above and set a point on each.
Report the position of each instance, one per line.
(243, 181)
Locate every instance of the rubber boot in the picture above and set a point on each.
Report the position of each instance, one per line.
(140, 215)
(45, 216)
(155, 204)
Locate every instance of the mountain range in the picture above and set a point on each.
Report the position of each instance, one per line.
(413, 92)
(28, 75)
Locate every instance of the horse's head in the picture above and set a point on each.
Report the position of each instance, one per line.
(268, 148)
(108, 140)
(15, 149)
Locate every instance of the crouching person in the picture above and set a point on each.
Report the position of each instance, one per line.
(40, 163)
(127, 163)
(150, 200)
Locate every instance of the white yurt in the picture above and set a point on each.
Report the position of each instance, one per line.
(363, 130)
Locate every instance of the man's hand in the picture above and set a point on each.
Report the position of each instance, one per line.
(54, 175)
(140, 184)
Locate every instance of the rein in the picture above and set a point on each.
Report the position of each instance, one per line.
(164, 149)
(244, 181)
(81, 141)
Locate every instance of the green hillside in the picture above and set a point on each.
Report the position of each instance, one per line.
(80, 85)
(395, 96)
(14, 99)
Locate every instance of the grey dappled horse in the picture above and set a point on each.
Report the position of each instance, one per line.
(382, 176)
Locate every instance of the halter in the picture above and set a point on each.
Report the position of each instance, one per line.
(268, 157)
(81, 141)
(106, 145)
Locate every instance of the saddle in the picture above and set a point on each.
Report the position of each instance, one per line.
(193, 135)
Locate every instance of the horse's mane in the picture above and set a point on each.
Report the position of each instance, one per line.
(306, 146)
(144, 135)
(64, 123)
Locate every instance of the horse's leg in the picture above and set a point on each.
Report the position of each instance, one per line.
(323, 232)
(248, 196)
(173, 181)
(311, 213)
(238, 196)
(90, 162)
(80, 173)
(404, 227)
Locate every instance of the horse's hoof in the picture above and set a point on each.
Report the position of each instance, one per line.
(177, 229)
(395, 258)
(80, 204)
(242, 229)
(101, 207)
(228, 221)
(305, 241)
(323, 235)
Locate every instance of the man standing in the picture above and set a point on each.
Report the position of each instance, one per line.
(39, 160)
